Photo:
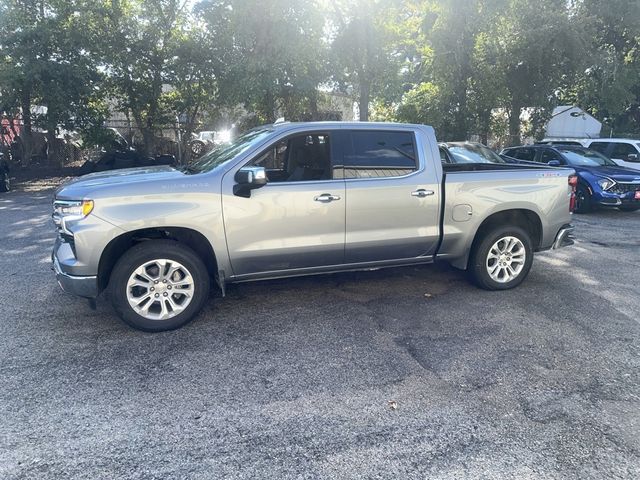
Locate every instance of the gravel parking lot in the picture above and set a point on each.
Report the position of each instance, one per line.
(294, 378)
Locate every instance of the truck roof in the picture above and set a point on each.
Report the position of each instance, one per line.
(353, 124)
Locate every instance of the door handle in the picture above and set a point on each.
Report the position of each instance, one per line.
(326, 198)
(422, 193)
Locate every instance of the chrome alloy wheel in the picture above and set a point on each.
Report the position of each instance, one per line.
(160, 289)
(506, 259)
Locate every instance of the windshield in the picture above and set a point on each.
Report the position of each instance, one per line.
(474, 153)
(584, 157)
(221, 155)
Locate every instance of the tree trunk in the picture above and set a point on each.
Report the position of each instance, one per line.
(55, 152)
(313, 106)
(187, 132)
(514, 124)
(149, 141)
(363, 105)
(27, 130)
(485, 126)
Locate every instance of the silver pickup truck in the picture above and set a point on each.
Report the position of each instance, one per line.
(298, 199)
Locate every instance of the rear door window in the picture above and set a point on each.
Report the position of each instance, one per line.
(548, 155)
(378, 154)
(599, 147)
(623, 150)
(528, 154)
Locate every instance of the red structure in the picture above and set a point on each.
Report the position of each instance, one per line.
(9, 128)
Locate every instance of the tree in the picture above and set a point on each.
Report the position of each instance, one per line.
(20, 65)
(138, 54)
(43, 62)
(495, 54)
(274, 56)
(610, 85)
(537, 48)
(366, 50)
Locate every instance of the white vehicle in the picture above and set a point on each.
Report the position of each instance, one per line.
(624, 151)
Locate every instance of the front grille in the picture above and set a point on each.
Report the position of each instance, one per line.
(624, 188)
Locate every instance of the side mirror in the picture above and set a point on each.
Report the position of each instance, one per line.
(553, 163)
(632, 157)
(247, 179)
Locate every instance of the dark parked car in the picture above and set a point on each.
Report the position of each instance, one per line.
(601, 182)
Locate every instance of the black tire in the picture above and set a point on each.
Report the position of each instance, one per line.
(5, 182)
(148, 251)
(628, 208)
(478, 268)
(583, 200)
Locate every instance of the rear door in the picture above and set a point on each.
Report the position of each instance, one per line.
(393, 195)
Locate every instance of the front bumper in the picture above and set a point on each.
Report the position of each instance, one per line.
(80, 286)
(607, 199)
(564, 238)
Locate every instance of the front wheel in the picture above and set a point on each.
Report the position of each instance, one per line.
(501, 259)
(583, 200)
(159, 285)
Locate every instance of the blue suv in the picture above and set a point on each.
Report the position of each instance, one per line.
(600, 181)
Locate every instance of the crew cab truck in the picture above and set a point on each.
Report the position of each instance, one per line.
(296, 199)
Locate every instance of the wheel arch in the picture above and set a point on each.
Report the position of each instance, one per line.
(527, 219)
(186, 236)
(524, 218)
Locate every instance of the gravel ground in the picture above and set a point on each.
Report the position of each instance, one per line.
(298, 378)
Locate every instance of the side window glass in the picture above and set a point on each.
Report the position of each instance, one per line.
(548, 155)
(623, 150)
(274, 158)
(599, 146)
(525, 154)
(300, 158)
(375, 154)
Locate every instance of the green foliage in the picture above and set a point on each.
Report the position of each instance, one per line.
(468, 67)
(43, 62)
(366, 51)
(274, 56)
(424, 104)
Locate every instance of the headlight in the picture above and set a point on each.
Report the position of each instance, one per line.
(606, 183)
(66, 210)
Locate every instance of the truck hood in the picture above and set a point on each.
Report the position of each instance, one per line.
(80, 187)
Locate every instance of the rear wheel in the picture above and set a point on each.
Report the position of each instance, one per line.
(159, 285)
(502, 258)
(583, 200)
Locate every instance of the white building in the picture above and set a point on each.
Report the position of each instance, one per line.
(572, 122)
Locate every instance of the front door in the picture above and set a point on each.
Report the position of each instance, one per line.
(393, 198)
(297, 220)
